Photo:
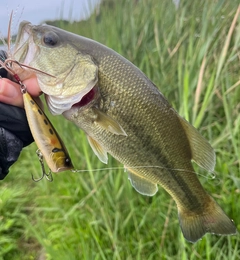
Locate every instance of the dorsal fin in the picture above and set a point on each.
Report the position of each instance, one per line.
(202, 152)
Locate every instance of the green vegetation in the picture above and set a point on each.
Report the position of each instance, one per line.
(193, 55)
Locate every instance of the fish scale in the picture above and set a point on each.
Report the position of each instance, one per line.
(125, 115)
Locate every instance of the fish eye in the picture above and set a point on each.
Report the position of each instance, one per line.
(68, 161)
(50, 39)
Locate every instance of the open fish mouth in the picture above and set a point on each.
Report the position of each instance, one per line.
(60, 104)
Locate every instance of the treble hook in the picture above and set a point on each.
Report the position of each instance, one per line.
(44, 174)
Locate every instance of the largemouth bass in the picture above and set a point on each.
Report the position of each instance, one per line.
(123, 113)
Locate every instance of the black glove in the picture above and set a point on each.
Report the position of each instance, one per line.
(14, 132)
(14, 135)
(10, 148)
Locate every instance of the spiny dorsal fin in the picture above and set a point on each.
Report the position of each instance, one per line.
(202, 152)
(142, 185)
(109, 123)
(98, 150)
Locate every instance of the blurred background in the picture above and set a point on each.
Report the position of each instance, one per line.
(191, 51)
(40, 11)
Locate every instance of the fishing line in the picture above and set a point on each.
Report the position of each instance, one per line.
(211, 176)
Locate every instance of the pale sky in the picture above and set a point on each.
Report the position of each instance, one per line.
(36, 11)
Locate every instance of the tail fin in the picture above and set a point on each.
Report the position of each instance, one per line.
(212, 220)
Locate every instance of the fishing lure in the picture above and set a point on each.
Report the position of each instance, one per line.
(51, 146)
(46, 137)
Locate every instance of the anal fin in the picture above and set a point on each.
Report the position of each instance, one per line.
(98, 150)
(142, 185)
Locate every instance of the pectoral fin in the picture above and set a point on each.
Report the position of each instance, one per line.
(98, 150)
(142, 185)
(202, 152)
(109, 123)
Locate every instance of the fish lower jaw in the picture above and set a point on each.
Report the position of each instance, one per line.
(60, 104)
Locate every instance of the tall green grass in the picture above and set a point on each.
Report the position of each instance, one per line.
(192, 54)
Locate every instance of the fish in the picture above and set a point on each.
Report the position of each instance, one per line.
(124, 114)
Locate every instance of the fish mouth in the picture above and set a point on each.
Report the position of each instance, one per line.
(60, 104)
(26, 52)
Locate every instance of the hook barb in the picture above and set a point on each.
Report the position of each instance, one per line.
(48, 175)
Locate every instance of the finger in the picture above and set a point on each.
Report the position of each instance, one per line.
(32, 86)
(10, 93)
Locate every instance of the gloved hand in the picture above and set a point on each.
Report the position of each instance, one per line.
(10, 148)
(14, 131)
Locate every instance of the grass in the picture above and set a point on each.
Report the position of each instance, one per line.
(192, 54)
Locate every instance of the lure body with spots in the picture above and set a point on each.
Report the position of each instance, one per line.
(123, 113)
(46, 137)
